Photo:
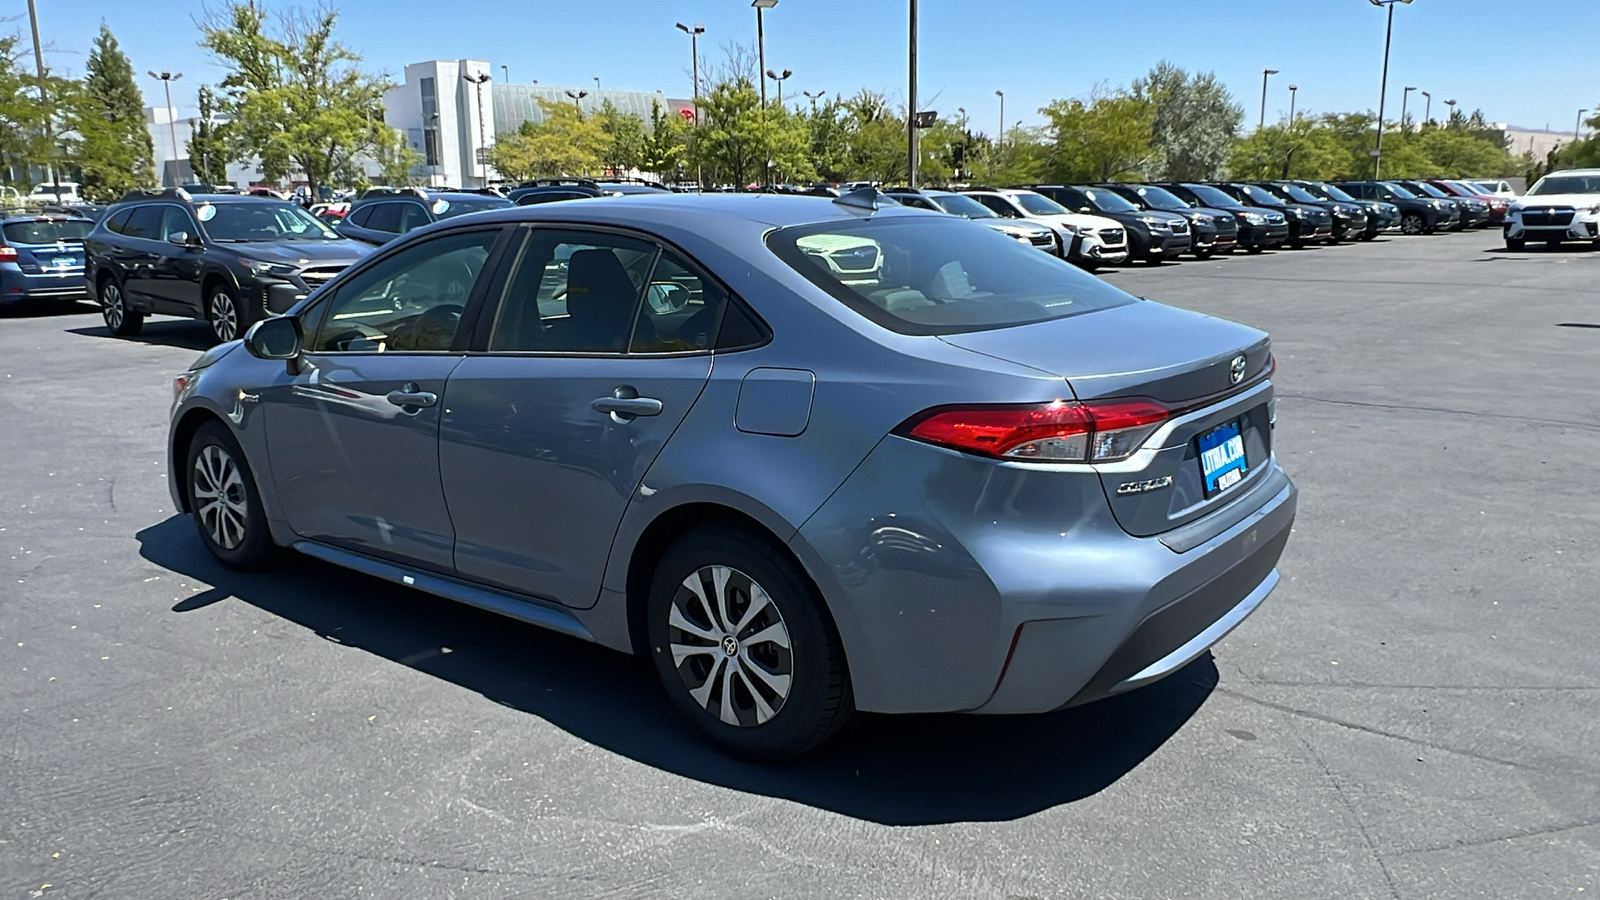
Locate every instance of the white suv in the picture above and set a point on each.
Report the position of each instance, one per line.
(49, 193)
(1104, 241)
(1562, 206)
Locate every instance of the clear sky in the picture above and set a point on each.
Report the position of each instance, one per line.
(1528, 62)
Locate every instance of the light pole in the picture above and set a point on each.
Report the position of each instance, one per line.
(482, 152)
(167, 78)
(577, 105)
(1383, 86)
(1427, 108)
(597, 85)
(1265, 74)
(1293, 88)
(44, 98)
(505, 73)
(1451, 118)
(1002, 139)
(1577, 130)
(694, 61)
(761, 43)
(1404, 96)
(911, 108)
(813, 98)
(780, 80)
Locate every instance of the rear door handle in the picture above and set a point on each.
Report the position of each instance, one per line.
(625, 404)
(411, 395)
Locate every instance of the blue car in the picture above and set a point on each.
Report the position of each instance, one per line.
(41, 258)
(805, 455)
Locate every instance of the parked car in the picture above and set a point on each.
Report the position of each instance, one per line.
(229, 259)
(1561, 206)
(1468, 190)
(551, 193)
(41, 258)
(1418, 215)
(1308, 223)
(1259, 229)
(1381, 216)
(1498, 188)
(1473, 213)
(92, 211)
(52, 193)
(1031, 233)
(1349, 218)
(1152, 236)
(983, 481)
(378, 217)
(1099, 241)
(1214, 231)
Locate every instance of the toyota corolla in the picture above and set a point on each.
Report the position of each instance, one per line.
(807, 455)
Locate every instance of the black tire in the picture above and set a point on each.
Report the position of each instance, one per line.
(1203, 254)
(227, 315)
(1516, 245)
(818, 698)
(1256, 249)
(120, 320)
(215, 457)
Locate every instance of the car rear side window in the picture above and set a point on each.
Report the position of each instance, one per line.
(359, 217)
(917, 275)
(118, 220)
(412, 215)
(385, 217)
(144, 223)
(574, 292)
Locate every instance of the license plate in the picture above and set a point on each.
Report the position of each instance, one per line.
(1222, 462)
(63, 262)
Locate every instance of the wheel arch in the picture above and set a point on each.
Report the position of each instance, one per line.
(183, 432)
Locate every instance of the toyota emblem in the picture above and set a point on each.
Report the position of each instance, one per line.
(1236, 370)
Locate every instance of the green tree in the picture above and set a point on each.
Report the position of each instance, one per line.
(1107, 138)
(623, 149)
(562, 144)
(295, 98)
(23, 141)
(113, 152)
(1304, 148)
(662, 150)
(208, 142)
(1459, 152)
(1193, 123)
(397, 162)
(875, 138)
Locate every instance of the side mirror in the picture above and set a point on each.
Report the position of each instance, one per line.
(1086, 210)
(181, 238)
(276, 338)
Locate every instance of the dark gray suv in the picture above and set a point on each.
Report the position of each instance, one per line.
(382, 214)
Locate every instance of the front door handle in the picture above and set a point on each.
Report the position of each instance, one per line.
(412, 396)
(625, 404)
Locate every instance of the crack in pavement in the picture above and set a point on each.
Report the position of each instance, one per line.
(1338, 790)
(1513, 836)
(1471, 414)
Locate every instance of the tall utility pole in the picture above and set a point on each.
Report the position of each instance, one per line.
(1404, 96)
(167, 78)
(761, 45)
(1265, 73)
(1452, 117)
(1293, 89)
(694, 61)
(1577, 130)
(814, 98)
(505, 73)
(1002, 138)
(911, 111)
(481, 156)
(1427, 108)
(1383, 87)
(780, 79)
(575, 102)
(44, 99)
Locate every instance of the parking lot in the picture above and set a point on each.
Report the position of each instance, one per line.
(1411, 714)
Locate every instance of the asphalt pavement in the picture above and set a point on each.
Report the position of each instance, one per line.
(1412, 714)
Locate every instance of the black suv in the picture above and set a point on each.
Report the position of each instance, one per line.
(1418, 215)
(1349, 217)
(1152, 236)
(1214, 230)
(1308, 224)
(383, 214)
(230, 259)
(1259, 229)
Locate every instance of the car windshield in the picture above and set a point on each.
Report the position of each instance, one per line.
(1161, 198)
(262, 221)
(1566, 184)
(1107, 201)
(460, 206)
(1428, 189)
(1298, 193)
(46, 231)
(1213, 197)
(1401, 192)
(1039, 204)
(1331, 192)
(937, 275)
(966, 207)
(1261, 195)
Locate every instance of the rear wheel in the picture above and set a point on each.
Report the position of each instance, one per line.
(224, 499)
(743, 646)
(120, 320)
(1412, 223)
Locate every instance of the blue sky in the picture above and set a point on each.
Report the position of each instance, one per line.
(1467, 50)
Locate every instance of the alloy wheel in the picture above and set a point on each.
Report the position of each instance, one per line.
(220, 500)
(730, 646)
(1411, 225)
(111, 305)
(224, 316)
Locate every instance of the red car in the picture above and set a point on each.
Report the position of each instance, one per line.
(1498, 205)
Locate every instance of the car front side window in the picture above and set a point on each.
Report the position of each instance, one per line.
(409, 301)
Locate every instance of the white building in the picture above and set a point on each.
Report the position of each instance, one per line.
(173, 166)
(1537, 141)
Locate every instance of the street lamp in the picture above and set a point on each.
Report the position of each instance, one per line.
(694, 61)
(1265, 73)
(1577, 130)
(1292, 89)
(576, 105)
(813, 98)
(597, 85)
(167, 78)
(911, 91)
(761, 43)
(1451, 117)
(505, 73)
(1002, 96)
(1427, 108)
(480, 156)
(1404, 96)
(1383, 87)
(779, 79)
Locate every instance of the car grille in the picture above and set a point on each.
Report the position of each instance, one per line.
(1228, 225)
(317, 276)
(1112, 237)
(1180, 227)
(1276, 219)
(1547, 216)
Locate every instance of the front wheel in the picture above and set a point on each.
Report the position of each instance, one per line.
(1255, 249)
(228, 317)
(120, 320)
(1516, 245)
(743, 645)
(1412, 223)
(224, 499)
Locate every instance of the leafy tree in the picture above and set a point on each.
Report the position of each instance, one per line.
(295, 98)
(106, 111)
(1458, 152)
(1193, 122)
(397, 162)
(663, 149)
(875, 138)
(209, 151)
(740, 143)
(1107, 138)
(625, 135)
(1301, 149)
(562, 144)
(23, 118)
(829, 134)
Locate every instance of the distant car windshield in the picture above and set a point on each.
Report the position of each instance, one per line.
(938, 275)
(1331, 192)
(1566, 184)
(966, 207)
(1299, 193)
(1428, 189)
(1108, 201)
(460, 206)
(1401, 192)
(46, 232)
(1161, 198)
(1039, 204)
(1213, 197)
(1261, 195)
(263, 221)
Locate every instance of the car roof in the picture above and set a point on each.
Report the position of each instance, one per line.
(1586, 172)
(771, 210)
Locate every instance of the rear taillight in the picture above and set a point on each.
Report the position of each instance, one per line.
(8, 254)
(1099, 431)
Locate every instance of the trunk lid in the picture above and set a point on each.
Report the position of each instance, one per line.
(1183, 359)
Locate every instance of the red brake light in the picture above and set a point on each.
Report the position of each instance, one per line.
(8, 254)
(1063, 431)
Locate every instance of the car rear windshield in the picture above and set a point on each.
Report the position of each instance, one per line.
(46, 231)
(1566, 184)
(932, 275)
(458, 206)
(1039, 204)
(262, 221)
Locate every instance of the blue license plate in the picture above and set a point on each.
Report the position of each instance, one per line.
(1222, 462)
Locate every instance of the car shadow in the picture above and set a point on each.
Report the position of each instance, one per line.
(894, 770)
(190, 334)
(43, 309)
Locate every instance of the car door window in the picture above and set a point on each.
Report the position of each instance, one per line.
(144, 223)
(117, 221)
(359, 217)
(680, 309)
(997, 204)
(412, 215)
(411, 301)
(175, 219)
(385, 217)
(573, 292)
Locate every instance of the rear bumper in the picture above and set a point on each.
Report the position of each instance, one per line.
(17, 286)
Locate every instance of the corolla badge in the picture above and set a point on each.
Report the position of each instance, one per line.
(1236, 370)
(1139, 487)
